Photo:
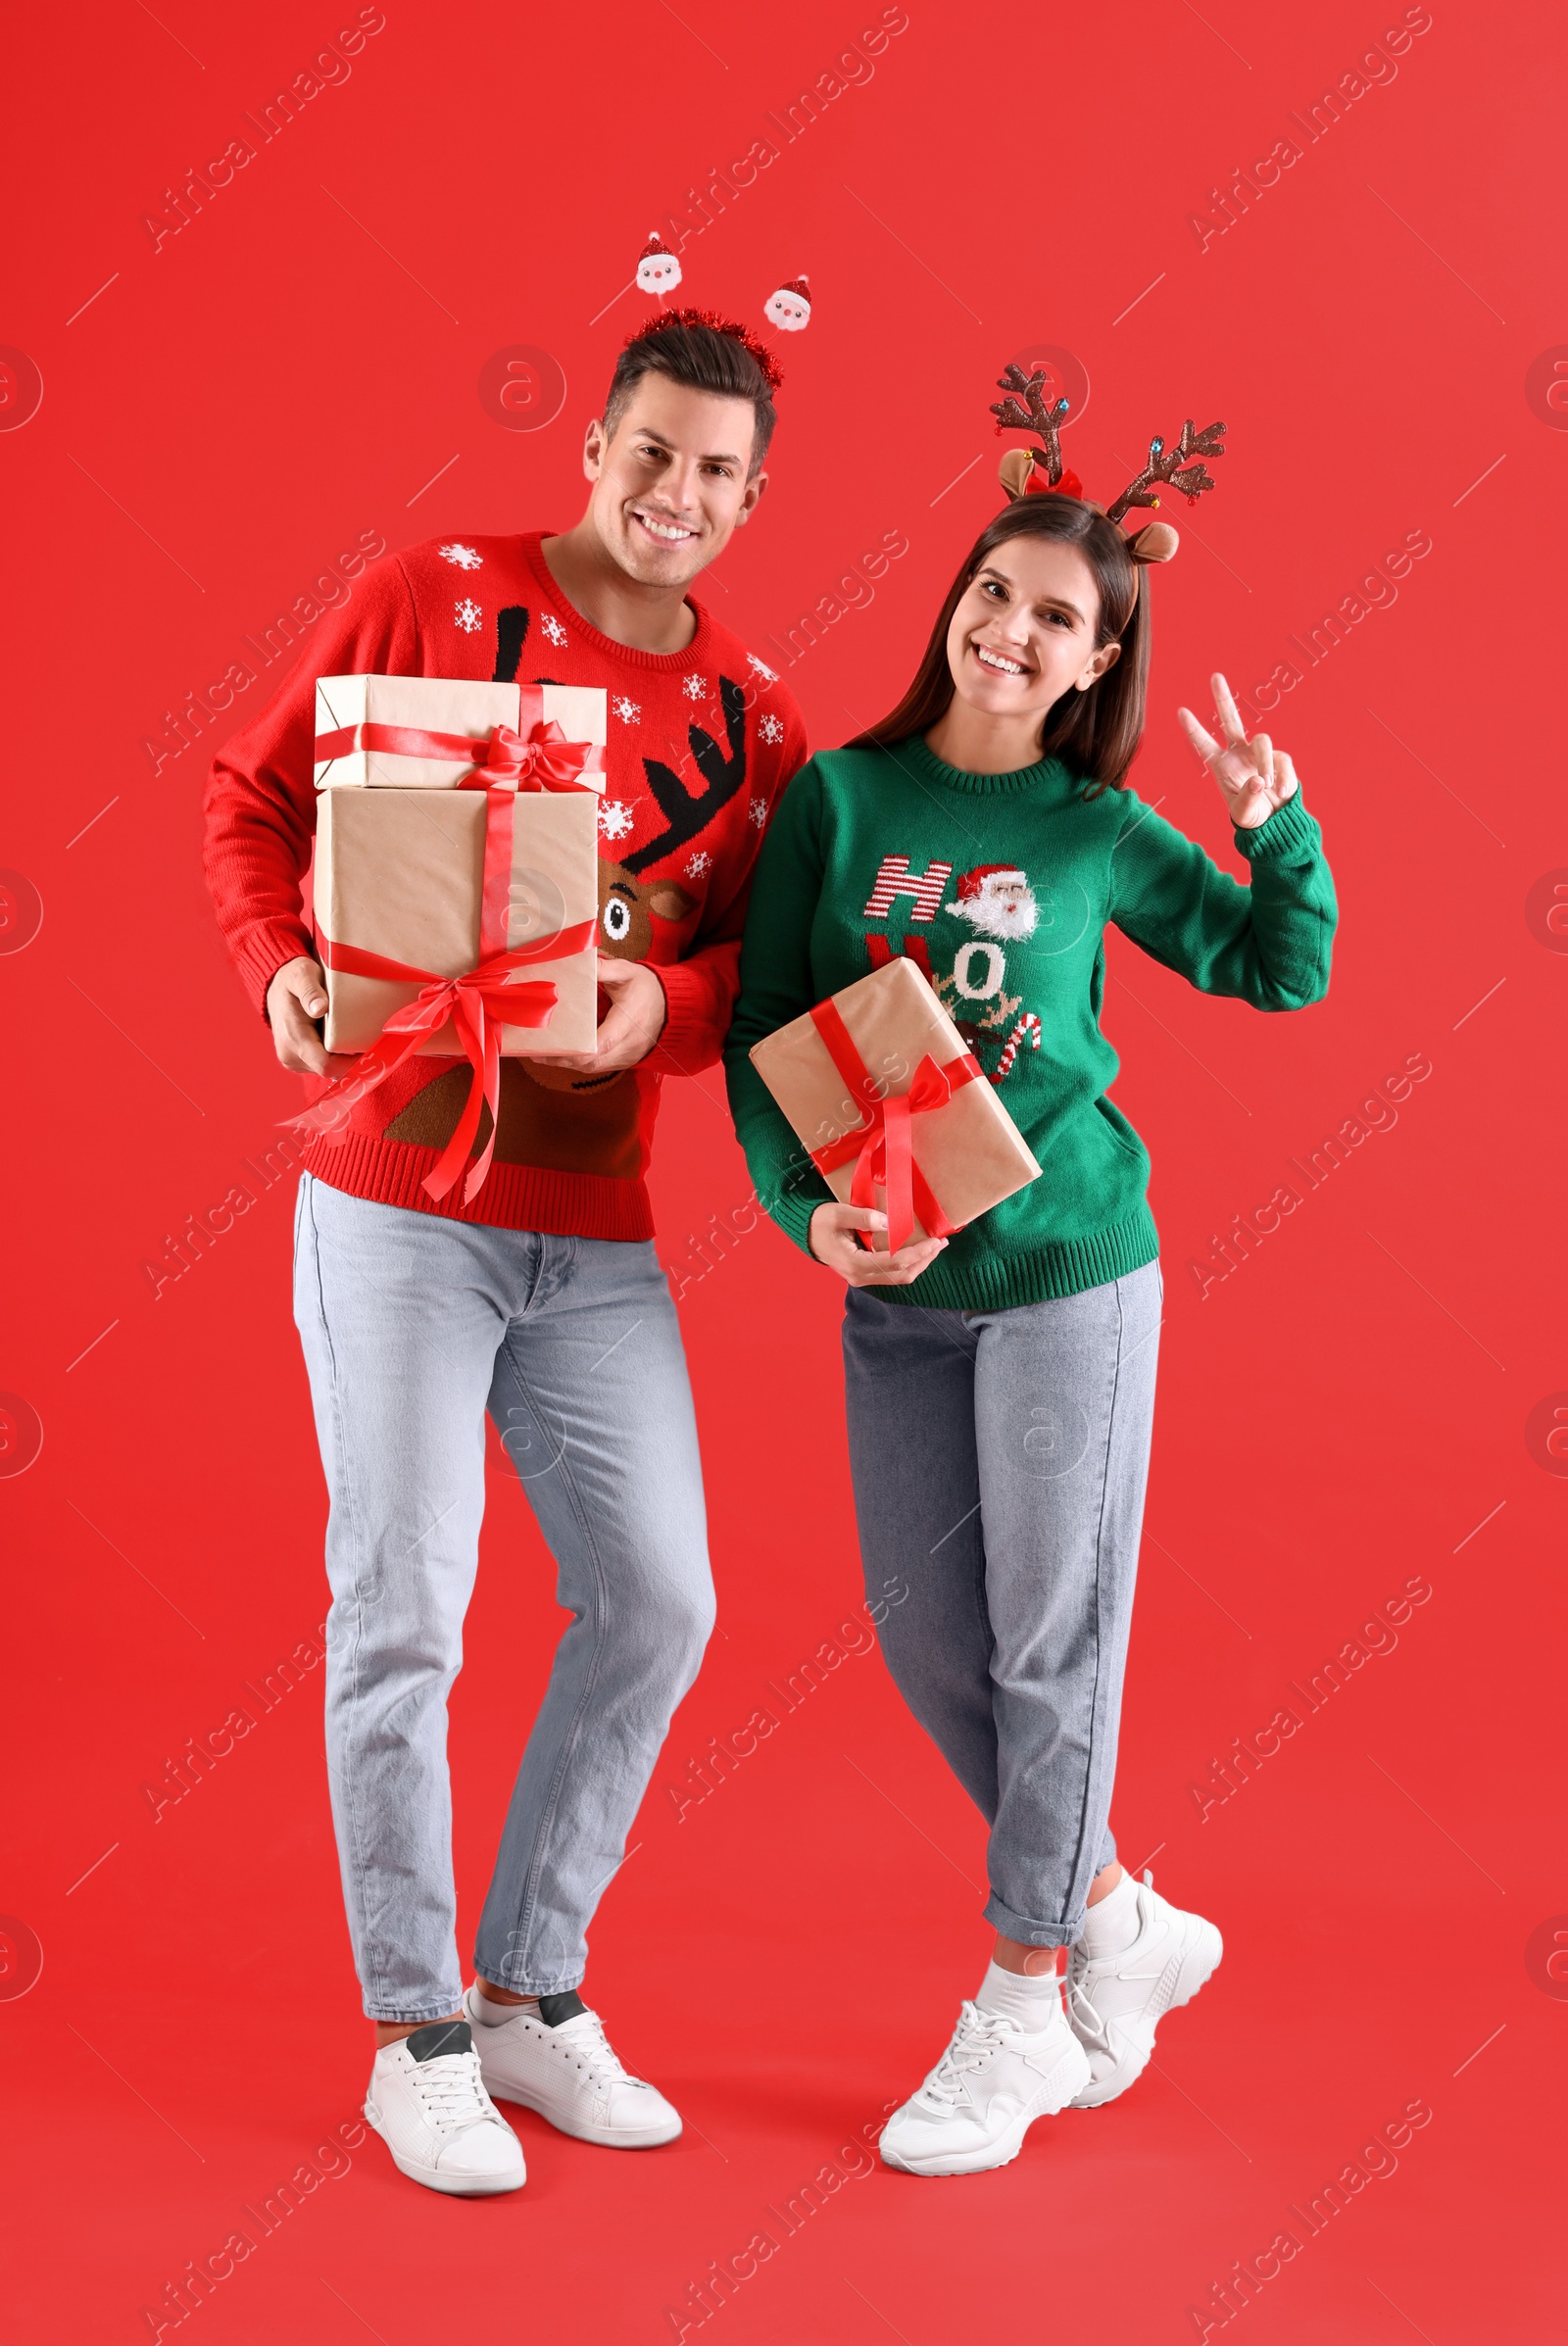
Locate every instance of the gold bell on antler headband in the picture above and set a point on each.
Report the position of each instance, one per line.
(1038, 471)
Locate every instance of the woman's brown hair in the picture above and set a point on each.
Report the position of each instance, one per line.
(1095, 733)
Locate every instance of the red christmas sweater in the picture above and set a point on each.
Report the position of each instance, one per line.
(702, 742)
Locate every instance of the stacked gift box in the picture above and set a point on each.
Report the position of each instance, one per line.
(424, 783)
(456, 879)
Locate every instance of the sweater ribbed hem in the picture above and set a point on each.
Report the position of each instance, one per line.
(1041, 1275)
(262, 952)
(1289, 830)
(513, 1196)
(793, 1213)
(686, 1037)
(1046, 774)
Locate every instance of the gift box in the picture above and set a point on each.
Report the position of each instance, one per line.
(893, 1110)
(400, 879)
(437, 732)
(456, 886)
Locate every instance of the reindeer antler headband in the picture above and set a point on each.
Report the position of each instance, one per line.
(1026, 471)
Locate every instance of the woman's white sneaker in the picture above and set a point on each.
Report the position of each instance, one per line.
(985, 2094)
(428, 2104)
(1114, 2002)
(568, 2074)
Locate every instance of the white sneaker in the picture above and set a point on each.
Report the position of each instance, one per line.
(1114, 2001)
(569, 2075)
(985, 2094)
(428, 2104)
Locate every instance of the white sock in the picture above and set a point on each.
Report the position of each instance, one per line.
(1032, 1999)
(1111, 1924)
(493, 2014)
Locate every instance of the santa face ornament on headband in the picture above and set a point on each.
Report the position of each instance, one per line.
(657, 270)
(789, 308)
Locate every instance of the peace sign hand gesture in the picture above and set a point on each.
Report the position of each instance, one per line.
(1253, 776)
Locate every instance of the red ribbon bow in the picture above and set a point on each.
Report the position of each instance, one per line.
(542, 759)
(478, 1004)
(883, 1147)
(1040, 484)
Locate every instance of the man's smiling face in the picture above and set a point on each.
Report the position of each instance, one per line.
(671, 484)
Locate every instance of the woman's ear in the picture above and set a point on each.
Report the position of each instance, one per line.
(1103, 661)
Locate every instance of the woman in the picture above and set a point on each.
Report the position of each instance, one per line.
(1000, 1382)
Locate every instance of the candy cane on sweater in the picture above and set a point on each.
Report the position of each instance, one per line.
(1028, 1025)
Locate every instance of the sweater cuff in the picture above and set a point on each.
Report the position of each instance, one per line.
(1289, 832)
(262, 952)
(687, 1035)
(793, 1213)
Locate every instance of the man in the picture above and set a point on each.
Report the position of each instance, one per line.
(541, 1301)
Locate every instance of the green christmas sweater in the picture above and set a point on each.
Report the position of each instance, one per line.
(1001, 887)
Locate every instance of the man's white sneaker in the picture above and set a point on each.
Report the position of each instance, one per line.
(428, 2104)
(568, 2074)
(1114, 2001)
(985, 2094)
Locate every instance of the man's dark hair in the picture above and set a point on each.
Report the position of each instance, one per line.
(705, 358)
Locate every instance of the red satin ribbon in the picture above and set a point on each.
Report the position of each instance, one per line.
(478, 1004)
(495, 881)
(883, 1147)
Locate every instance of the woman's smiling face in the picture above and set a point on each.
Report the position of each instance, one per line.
(1025, 628)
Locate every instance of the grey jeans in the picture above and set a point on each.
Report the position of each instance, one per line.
(413, 1327)
(999, 1460)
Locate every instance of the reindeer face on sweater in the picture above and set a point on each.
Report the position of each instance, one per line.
(628, 910)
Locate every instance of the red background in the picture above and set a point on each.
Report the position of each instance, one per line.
(217, 422)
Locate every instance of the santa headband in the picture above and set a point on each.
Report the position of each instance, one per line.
(659, 273)
(1038, 470)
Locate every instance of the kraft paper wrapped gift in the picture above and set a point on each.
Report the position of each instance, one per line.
(892, 1108)
(401, 874)
(410, 732)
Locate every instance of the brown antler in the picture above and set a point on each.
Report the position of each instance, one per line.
(1024, 411)
(1171, 464)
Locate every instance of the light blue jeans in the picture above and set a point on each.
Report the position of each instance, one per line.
(413, 1327)
(999, 1459)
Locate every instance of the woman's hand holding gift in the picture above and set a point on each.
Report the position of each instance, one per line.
(1253, 776)
(833, 1241)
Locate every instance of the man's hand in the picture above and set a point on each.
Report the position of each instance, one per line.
(831, 1238)
(295, 1000)
(629, 1027)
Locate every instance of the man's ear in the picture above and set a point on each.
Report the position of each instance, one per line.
(594, 443)
(751, 497)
